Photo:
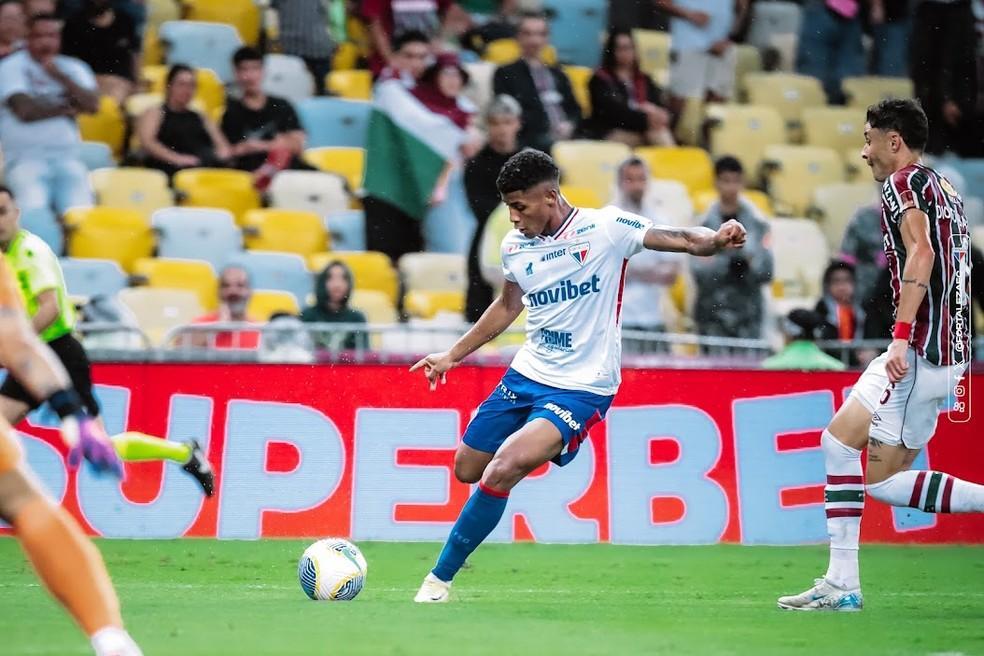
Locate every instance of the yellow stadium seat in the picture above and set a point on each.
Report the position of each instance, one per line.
(433, 271)
(590, 164)
(834, 205)
(744, 131)
(840, 128)
(289, 231)
(793, 172)
(159, 310)
(107, 126)
(244, 15)
(869, 90)
(653, 47)
(579, 77)
(749, 60)
(691, 166)
(505, 51)
(161, 11)
(690, 124)
(152, 52)
(788, 93)
(801, 255)
(223, 188)
(109, 233)
(371, 270)
(425, 304)
(209, 96)
(152, 78)
(581, 196)
(172, 273)
(354, 84)
(264, 303)
(704, 199)
(856, 169)
(376, 305)
(144, 190)
(346, 57)
(347, 162)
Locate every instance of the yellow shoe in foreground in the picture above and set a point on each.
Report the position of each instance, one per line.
(433, 591)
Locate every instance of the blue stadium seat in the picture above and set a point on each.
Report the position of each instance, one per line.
(92, 277)
(348, 230)
(576, 28)
(42, 222)
(197, 233)
(334, 121)
(201, 45)
(271, 270)
(96, 155)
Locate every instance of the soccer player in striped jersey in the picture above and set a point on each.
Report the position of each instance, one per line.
(894, 407)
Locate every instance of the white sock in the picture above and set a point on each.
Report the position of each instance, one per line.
(843, 503)
(114, 641)
(931, 491)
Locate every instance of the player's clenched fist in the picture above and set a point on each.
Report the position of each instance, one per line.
(731, 234)
(436, 366)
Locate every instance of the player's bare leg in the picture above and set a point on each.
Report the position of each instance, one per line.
(525, 450)
(470, 464)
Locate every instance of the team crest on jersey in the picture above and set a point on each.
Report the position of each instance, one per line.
(579, 251)
(947, 187)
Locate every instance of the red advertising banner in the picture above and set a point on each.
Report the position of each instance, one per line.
(684, 457)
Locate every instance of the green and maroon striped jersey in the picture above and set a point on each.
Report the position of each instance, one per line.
(941, 332)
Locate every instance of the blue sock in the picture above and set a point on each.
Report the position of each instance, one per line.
(477, 519)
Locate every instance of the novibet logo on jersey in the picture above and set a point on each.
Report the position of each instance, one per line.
(565, 291)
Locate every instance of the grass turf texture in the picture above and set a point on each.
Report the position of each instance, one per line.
(209, 597)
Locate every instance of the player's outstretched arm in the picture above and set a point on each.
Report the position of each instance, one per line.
(499, 316)
(695, 241)
(919, 261)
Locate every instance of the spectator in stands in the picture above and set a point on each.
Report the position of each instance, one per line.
(501, 25)
(729, 299)
(333, 289)
(829, 46)
(235, 290)
(625, 104)
(42, 92)
(842, 315)
(304, 33)
(176, 136)
(107, 41)
(800, 329)
(13, 27)
(389, 18)
(264, 133)
(649, 274)
(503, 120)
(289, 343)
(703, 57)
(550, 111)
(944, 72)
(411, 56)
(862, 247)
(890, 26)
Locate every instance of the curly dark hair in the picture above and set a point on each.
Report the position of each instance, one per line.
(902, 115)
(525, 170)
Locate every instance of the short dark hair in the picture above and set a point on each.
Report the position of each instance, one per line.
(525, 170)
(4, 189)
(175, 71)
(834, 267)
(902, 115)
(246, 54)
(42, 18)
(634, 160)
(409, 36)
(728, 164)
(532, 15)
(346, 273)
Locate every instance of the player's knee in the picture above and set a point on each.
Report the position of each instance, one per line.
(466, 470)
(16, 491)
(502, 473)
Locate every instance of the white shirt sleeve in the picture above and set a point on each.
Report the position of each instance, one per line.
(626, 230)
(79, 72)
(506, 273)
(13, 77)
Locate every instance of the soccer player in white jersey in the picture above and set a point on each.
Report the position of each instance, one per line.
(566, 265)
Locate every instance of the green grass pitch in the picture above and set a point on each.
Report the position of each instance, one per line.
(203, 597)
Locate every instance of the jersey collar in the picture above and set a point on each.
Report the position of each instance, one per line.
(565, 225)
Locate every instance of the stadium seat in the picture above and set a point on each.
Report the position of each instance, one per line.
(287, 231)
(201, 45)
(311, 191)
(223, 188)
(209, 96)
(91, 277)
(425, 304)
(673, 202)
(479, 89)
(152, 52)
(749, 60)
(96, 155)
(840, 128)
(109, 233)
(793, 172)
(801, 255)
(370, 270)
(581, 196)
(278, 271)
(144, 190)
(833, 206)
(244, 15)
(197, 233)
(576, 29)
(855, 168)
(376, 305)
(761, 200)
(505, 51)
(287, 76)
(653, 47)
(869, 90)
(105, 126)
(264, 303)
(788, 93)
(353, 85)
(347, 230)
(579, 77)
(159, 310)
(972, 172)
(772, 19)
(346, 57)
(346, 162)
(591, 164)
(744, 131)
(334, 121)
(691, 166)
(42, 222)
(439, 272)
(195, 276)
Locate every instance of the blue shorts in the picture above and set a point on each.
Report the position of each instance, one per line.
(517, 400)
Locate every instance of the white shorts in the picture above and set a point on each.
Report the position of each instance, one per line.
(693, 73)
(905, 413)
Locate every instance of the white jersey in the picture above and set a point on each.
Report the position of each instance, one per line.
(572, 290)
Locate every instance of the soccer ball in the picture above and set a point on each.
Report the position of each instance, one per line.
(332, 569)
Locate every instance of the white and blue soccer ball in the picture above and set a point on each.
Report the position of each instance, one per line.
(332, 569)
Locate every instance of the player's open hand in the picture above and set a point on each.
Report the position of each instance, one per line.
(436, 367)
(90, 442)
(896, 362)
(731, 234)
